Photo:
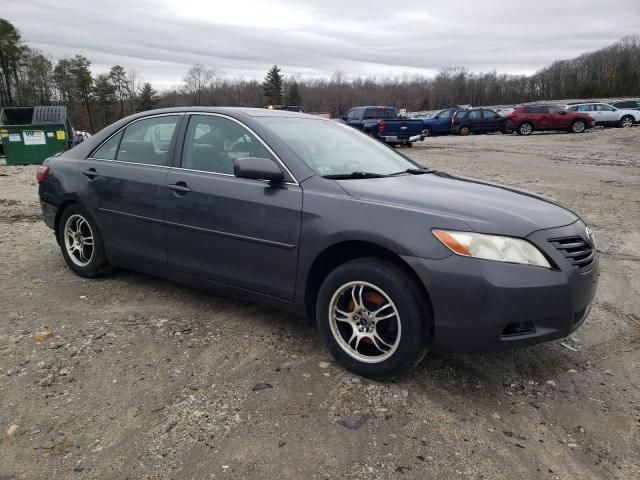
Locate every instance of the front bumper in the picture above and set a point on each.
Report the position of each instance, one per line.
(480, 305)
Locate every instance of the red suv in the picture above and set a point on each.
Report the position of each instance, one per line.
(527, 118)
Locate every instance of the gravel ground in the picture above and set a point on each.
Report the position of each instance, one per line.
(142, 378)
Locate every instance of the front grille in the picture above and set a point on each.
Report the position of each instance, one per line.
(575, 249)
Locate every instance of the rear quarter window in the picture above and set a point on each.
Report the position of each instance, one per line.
(109, 149)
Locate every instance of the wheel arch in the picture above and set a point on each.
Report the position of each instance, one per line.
(344, 251)
(66, 202)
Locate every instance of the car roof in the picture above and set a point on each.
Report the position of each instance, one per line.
(232, 111)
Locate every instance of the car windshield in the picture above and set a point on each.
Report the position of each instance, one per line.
(332, 148)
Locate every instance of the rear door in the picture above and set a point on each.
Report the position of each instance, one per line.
(474, 119)
(233, 231)
(124, 181)
(557, 117)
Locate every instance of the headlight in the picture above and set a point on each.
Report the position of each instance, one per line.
(491, 247)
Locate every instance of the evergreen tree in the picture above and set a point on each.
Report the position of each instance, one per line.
(11, 49)
(104, 95)
(293, 95)
(272, 86)
(119, 79)
(148, 97)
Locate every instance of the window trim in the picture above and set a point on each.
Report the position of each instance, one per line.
(121, 129)
(213, 114)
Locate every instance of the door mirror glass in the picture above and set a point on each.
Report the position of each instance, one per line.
(255, 168)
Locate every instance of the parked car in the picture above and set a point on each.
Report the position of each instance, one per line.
(627, 104)
(478, 120)
(527, 118)
(384, 124)
(440, 123)
(607, 115)
(389, 257)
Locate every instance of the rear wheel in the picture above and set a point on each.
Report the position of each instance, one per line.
(626, 121)
(578, 126)
(373, 318)
(81, 242)
(464, 131)
(427, 132)
(525, 128)
(408, 144)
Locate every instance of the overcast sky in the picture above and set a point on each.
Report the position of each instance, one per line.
(161, 39)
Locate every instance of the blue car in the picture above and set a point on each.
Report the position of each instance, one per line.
(439, 124)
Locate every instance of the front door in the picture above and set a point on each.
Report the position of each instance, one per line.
(124, 182)
(233, 231)
(491, 120)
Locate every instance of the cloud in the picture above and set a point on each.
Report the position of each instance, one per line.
(161, 39)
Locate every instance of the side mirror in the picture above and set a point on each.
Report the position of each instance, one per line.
(257, 169)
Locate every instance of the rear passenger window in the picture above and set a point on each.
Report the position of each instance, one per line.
(474, 114)
(489, 114)
(213, 143)
(109, 149)
(147, 141)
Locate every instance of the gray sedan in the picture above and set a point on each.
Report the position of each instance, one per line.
(389, 258)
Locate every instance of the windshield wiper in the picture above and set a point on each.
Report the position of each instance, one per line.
(414, 171)
(343, 176)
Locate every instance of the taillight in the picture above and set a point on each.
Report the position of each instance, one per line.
(41, 173)
(381, 126)
(453, 117)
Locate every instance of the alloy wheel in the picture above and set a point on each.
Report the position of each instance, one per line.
(78, 240)
(525, 129)
(365, 322)
(578, 127)
(627, 122)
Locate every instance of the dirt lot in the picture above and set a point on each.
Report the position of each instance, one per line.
(143, 378)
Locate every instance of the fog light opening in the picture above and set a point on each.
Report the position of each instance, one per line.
(518, 328)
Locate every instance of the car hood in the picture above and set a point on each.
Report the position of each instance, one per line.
(634, 113)
(484, 207)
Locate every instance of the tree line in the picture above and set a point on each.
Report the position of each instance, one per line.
(27, 77)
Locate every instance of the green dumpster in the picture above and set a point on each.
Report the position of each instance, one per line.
(31, 134)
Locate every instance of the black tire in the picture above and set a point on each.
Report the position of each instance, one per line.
(525, 128)
(413, 320)
(626, 121)
(578, 126)
(97, 260)
(408, 144)
(427, 132)
(464, 131)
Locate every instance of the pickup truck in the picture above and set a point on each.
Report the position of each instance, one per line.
(384, 124)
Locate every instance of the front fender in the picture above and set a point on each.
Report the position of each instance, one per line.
(331, 216)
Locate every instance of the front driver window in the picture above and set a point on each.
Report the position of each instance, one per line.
(213, 143)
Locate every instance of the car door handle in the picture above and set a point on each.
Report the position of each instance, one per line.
(91, 173)
(180, 188)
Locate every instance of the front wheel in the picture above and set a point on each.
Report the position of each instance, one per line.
(427, 132)
(81, 242)
(373, 318)
(626, 121)
(578, 126)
